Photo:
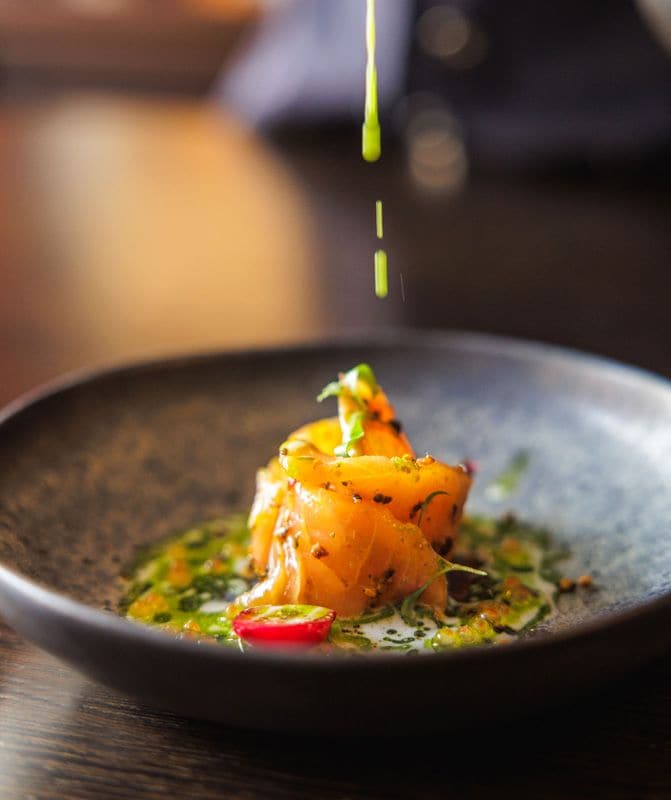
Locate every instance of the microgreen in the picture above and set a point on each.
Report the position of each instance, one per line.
(408, 612)
(353, 431)
(349, 382)
(332, 389)
(425, 504)
(349, 386)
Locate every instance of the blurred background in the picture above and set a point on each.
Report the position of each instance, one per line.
(186, 174)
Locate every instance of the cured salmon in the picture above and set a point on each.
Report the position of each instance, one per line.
(347, 517)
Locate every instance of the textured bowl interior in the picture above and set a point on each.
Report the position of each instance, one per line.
(90, 473)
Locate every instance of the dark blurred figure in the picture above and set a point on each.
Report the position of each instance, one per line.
(519, 82)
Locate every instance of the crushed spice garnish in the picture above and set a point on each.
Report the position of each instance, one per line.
(383, 499)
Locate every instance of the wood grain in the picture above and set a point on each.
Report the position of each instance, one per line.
(107, 211)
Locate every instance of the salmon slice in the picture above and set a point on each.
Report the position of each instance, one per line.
(324, 434)
(382, 431)
(271, 487)
(346, 517)
(423, 491)
(377, 559)
(345, 555)
(380, 438)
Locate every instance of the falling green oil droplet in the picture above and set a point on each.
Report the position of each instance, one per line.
(379, 223)
(381, 278)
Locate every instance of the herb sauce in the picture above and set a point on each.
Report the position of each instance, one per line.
(186, 584)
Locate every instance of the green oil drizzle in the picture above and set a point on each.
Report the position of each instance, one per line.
(372, 144)
(381, 270)
(185, 583)
(371, 138)
(381, 274)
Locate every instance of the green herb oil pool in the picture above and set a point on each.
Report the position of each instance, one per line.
(186, 586)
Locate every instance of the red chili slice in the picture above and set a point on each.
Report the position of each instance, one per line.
(289, 624)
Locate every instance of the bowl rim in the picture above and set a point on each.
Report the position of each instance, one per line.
(31, 592)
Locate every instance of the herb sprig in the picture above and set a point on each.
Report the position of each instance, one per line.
(349, 386)
(408, 606)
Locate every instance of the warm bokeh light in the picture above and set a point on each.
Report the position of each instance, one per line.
(168, 229)
(436, 152)
(448, 34)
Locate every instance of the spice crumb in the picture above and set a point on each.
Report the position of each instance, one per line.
(383, 499)
(396, 425)
(566, 585)
(586, 581)
(318, 551)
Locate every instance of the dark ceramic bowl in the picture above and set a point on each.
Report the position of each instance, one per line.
(98, 466)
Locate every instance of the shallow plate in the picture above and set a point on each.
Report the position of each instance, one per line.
(93, 469)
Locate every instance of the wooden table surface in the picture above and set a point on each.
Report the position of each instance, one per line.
(130, 229)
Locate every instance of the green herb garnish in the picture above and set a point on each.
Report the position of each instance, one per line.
(408, 612)
(349, 386)
(349, 383)
(426, 502)
(353, 431)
